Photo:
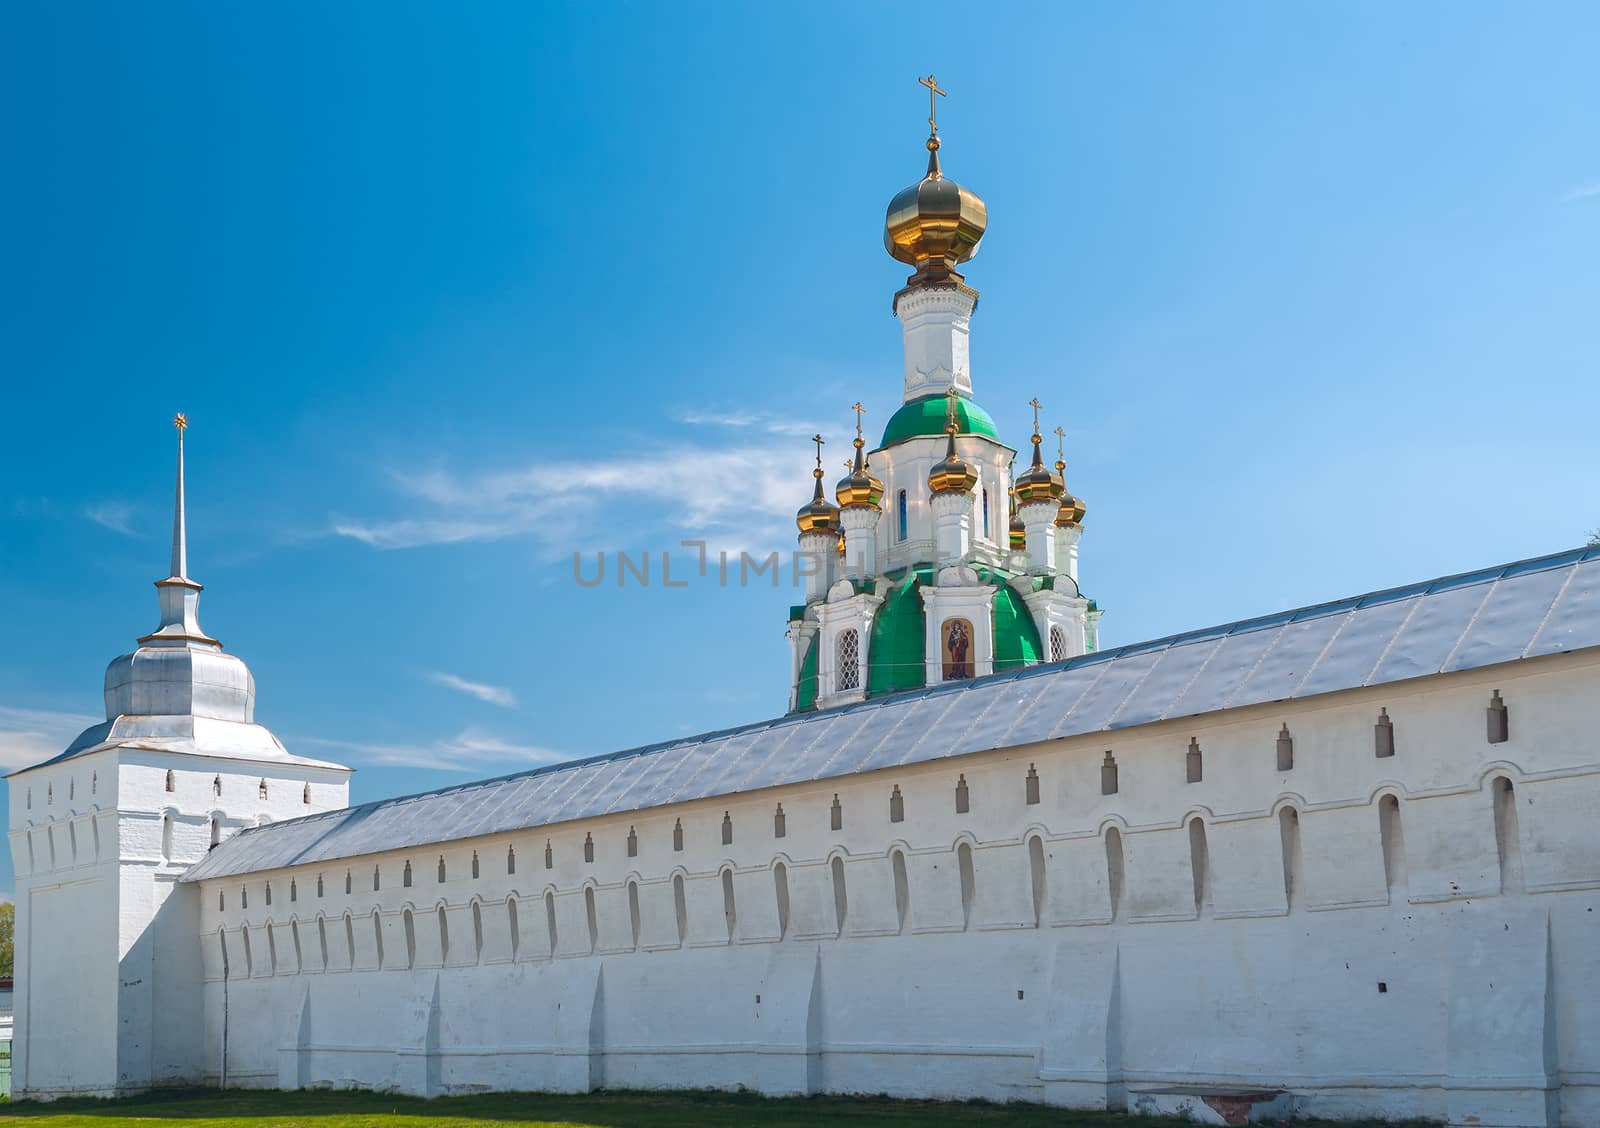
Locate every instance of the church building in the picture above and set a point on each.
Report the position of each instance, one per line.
(1336, 861)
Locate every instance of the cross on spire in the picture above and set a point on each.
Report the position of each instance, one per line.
(819, 440)
(934, 93)
(180, 524)
(1035, 404)
(860, 411)
(1061, 442)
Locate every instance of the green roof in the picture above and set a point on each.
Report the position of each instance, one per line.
(1016, 639)
(899, 644)
(926, 416)
(806, 698)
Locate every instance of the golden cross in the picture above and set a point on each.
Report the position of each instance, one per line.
(1061, 439)
(860, 411)
(819, 440)
(933, 110)
(950, 398)
(1034, 403)
(180, 421)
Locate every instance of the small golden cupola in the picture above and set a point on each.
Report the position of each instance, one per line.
(935, 224)
(1017, 530)
(818, 515)
(1039, 483)
(1070, 515)
(859, 488)
(951, 474)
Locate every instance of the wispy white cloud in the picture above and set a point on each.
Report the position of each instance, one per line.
(1589, 191)
(735, 496)
(29, 736)
(113, 515)
(763, 421)
(493, 694)
(470, 750)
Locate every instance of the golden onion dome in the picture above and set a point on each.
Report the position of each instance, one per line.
(952, 473)
(817, 515)
(1039, 483)
(859, 489)
(1072, 509)
(935, 223)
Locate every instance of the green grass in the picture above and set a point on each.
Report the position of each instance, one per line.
(205, 1108)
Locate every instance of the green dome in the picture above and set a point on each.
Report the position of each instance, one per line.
(926, 416)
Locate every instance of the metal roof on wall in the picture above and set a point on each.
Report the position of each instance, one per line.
(1534, 607)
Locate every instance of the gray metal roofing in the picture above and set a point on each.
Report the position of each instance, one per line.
(1533, 607)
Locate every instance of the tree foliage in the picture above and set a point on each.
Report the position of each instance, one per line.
(8, 926)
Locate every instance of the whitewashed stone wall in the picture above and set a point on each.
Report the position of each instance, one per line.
(105, 934)
(1382, 936)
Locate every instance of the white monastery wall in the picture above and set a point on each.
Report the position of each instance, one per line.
(1399, 936)
(104, 928)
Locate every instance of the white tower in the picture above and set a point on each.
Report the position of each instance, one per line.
(101, 833)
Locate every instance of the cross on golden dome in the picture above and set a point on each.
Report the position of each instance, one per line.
(180, 421)
(1035, 404)
(934, 93)
(1061, 443)
(860, 411)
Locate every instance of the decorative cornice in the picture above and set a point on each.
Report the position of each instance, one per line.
(929, 289)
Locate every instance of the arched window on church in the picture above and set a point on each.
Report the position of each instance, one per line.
(902, 515)
(216, 785)
(261, 791)
(216, 833)
(849, 675)
(1058, 644)
(986, 513)
(305, 795)
(172, 781)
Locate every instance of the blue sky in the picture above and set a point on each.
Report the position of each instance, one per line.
(450, 292)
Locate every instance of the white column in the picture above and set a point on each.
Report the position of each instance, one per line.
(936, 323)
(817, 552)
(860, 524)
(1067, 549)
(952, 526)
(1039, 517)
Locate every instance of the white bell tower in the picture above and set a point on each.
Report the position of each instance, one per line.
(108, 995)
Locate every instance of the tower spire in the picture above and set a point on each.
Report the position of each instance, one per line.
(180, 596)
(180, 530)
